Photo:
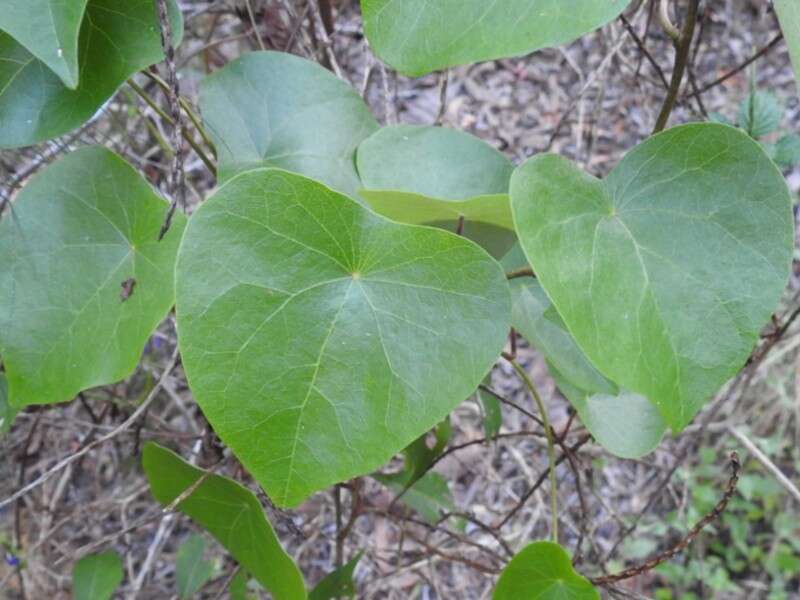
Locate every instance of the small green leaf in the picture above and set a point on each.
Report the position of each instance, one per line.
(279, 110)
(79, 232)
(419, 456)
(229, 512)
(338, 583)
(786, 152)
(788, 12)
(665, 271)
(238, 587)
(192, 571)
(319, 338)
(117, 40)
(625, 424)
(7, 413)
(49, 30)
(492, 412)
(760, 113)
(418, 36)
(96, 576)
(438, 176)
(543, 571)
(429, 495)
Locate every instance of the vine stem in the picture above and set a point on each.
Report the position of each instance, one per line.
(683, 46)
(551, 448)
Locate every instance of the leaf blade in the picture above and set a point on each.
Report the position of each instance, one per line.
(646, 254)
(229, 512)
(78, 231)
(96, 576)
(288, 255)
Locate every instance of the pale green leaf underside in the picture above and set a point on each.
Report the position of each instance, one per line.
(272, 109)
(95, 577)
(49, 30)
(78, 230)
(229, 512)
(789, 16)
(319, 338)
(665, 271)
(625, 424)
(435, 176)
(116, 40)
(419, 36)
(192, 571)
(543, 571)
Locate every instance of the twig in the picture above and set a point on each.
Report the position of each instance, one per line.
(521, 272)
(644, 51)
(101, 440)
(683, 46)
(175, 182)
(444, 79)
(252, 18)
(766, 462)
(735, 71)
(680, 546)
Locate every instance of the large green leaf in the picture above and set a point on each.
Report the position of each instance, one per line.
(229, 512)
(665, 271)
(419, 36)
(625, 424)
(49, 30)
(116, 40)
(95, 577)
(789, 16)
(543, 571)
(319, 338)
(439, 176)
(81, 233)
(279, 110)
(192, 570)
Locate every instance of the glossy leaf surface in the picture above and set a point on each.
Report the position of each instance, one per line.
(625, 424)
(320, 339)
(96, 576)
(418, 36)
(229, 512)
(117, 40)
(437, 176)
(543, 571)
(81, 231)
(665, 271)
(49, 30)
(192, 570)
(279, 110)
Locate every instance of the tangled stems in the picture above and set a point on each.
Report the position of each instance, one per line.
(551, 450)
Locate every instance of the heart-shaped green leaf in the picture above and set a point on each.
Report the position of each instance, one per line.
(625, 424)
(49, 30)
(665, 271)
(97, 576)
(116, 40)
(84, 279)
(441, 177)
(419, 36)
(319, 338)
(542, 571)
(278, 110)
(229, 512)
(788, 12)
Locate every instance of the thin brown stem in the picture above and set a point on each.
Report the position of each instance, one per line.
(683, 47)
